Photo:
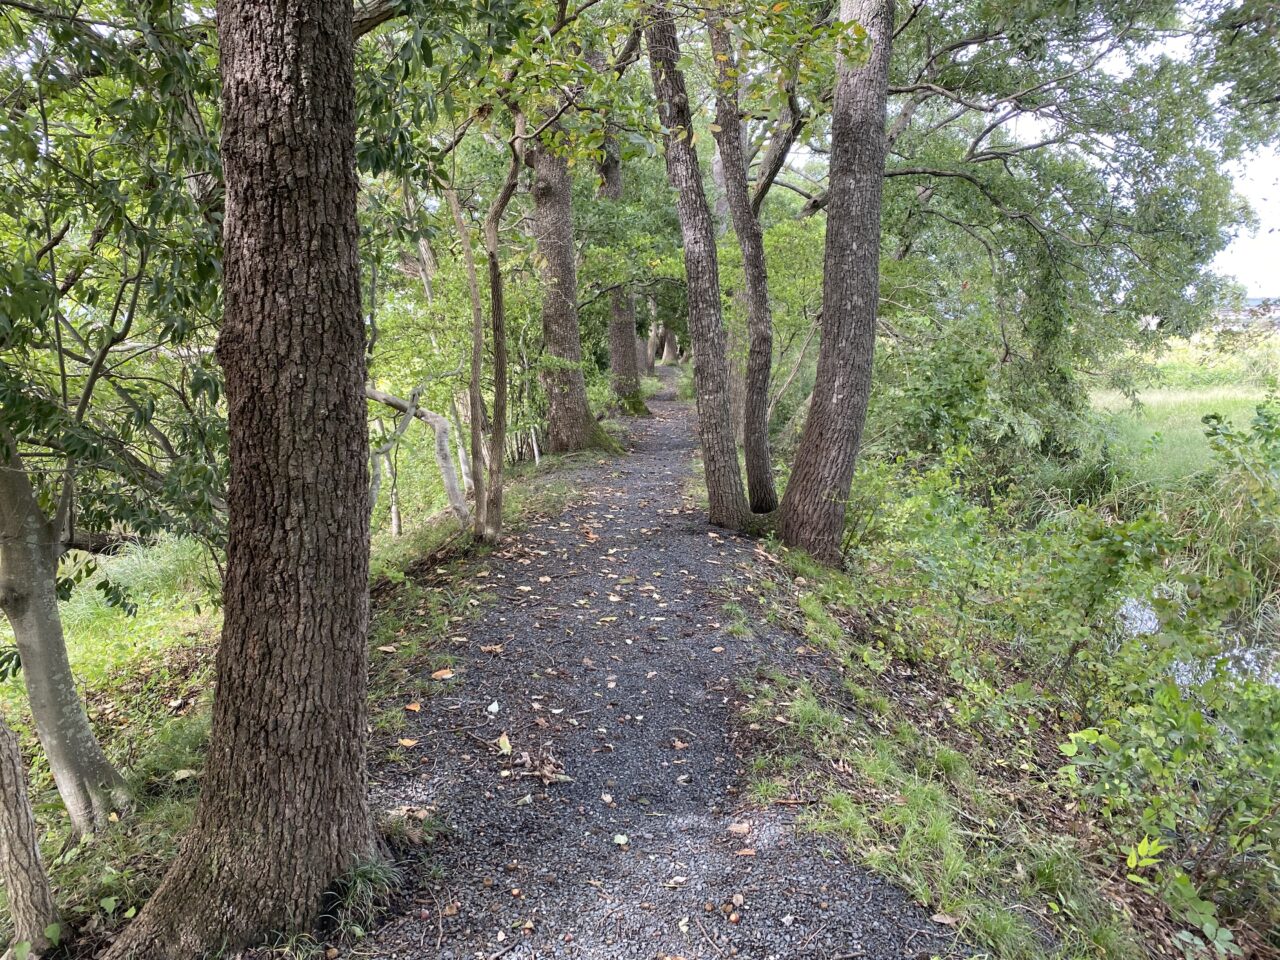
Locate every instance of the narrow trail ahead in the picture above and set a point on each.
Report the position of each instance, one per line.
(603, 645)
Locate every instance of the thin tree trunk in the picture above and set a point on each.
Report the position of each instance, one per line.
(397, 522)
(464, 459)
(813, 508)
(570, 425)
(30, 901)
(624, 361)
(475, 390)
(727, 499)
(655, 337)
(283, 812)
(87, 782)
(444, 456)
(755, 401)
(491, 529)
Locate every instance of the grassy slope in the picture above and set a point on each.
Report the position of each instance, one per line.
(148, 685)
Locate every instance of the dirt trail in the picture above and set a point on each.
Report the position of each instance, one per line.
(617, 671)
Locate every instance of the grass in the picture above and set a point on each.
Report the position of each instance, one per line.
(1162, 439)
(964, 825)
(147, 681)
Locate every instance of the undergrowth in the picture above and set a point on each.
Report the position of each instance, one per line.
(1053, 724)
(147, 671)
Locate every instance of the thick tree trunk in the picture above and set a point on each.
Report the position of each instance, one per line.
(755, 401)
(283, 812)
(813, 508)
(569, 422)
(88, 784)
(624, 358)
(671, 347)
(30, 901)
(727, 499)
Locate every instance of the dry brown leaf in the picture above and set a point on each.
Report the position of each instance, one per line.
(413, 707)
(442, 674)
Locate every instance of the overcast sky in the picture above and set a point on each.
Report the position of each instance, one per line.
(1254, 259)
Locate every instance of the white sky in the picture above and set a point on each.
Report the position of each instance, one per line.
(1254, 258)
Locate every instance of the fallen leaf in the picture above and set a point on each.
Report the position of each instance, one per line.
(746, 852)
(680, 744)
(407, 742)
(413, 707)
(443, 674)
(739, 829)
(503, 743)
(945, 919)
(389, 648)
(621, 839)
(491, 648)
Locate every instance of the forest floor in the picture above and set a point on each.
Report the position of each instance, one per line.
(581, 768)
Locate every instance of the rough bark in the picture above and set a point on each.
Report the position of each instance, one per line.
(570, 425)
(283, 812)
(29, 899)
(813, 509)
(727, 499)
(624, 359)
(89, 786)
(755, 401)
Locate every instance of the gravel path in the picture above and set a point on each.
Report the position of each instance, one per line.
(614, 828)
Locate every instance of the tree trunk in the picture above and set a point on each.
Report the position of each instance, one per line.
(475, 386)
(397, 522)
(283, 812)
(655, 336)
(755, 406)
(624, 358)
(444, 457)
(464, 459)
(570, 425)
(88, 784)
(490, 527)
(670, 347)
(727, 499)
(813, 508)
(30, 901)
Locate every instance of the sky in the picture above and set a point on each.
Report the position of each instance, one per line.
(1253, 258)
